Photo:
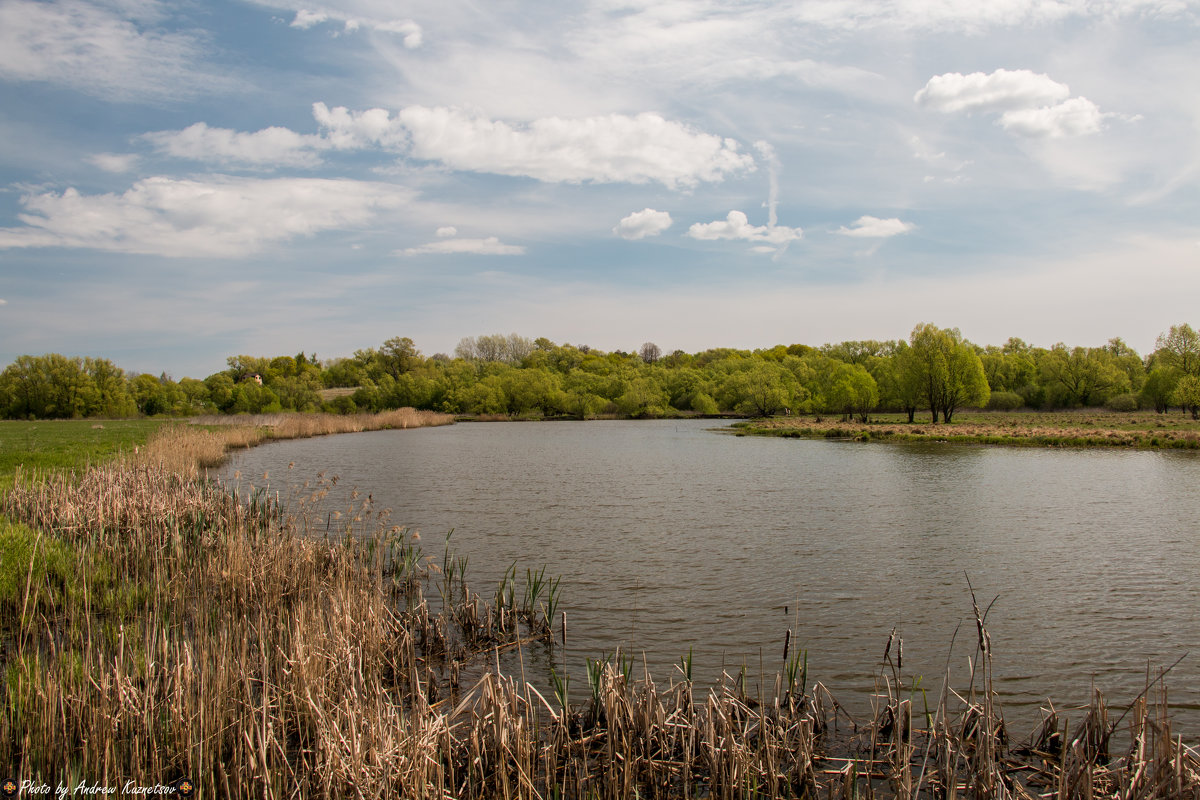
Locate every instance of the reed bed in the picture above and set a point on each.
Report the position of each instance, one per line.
(208, 440)
(220, 638)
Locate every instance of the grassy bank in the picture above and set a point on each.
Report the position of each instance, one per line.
(1090, 428)
(157, 628)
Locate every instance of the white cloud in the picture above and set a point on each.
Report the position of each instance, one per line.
(1033, 104)
(219, 216)
(3, 302)
(114, 162)
(869, 227)
(100, 51)
(305, 19)
(410, 30)
(270, 146)
(641, 224)
(448, 230)
(737, 226)
(349, 130)
(997, 91)
(1075, 117)
(491, 246)
(973, 16)
(607, 149)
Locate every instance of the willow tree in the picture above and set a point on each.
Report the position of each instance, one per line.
(945, 369)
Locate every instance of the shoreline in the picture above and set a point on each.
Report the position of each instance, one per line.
(1034, 429)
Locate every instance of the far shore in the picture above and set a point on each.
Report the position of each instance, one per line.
(1083, 428)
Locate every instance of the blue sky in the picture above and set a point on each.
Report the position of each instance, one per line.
(186, 181)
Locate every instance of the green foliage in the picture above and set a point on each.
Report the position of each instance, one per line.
(1123, 402)
(1187, 395)
(1005, 401)
(935, 369)
(759, 388)
(1082, 376)
(1180, 348)
(944, 370)
(1159, 386)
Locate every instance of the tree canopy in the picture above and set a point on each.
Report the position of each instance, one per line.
(935, 370)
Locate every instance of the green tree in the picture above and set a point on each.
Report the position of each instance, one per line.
(1159, 386)
(150, 395)
(945, 370)
(398, 355)
(1187, 394)
(761, 389)
(1082, 376)
(1180, 348)
(851, 391)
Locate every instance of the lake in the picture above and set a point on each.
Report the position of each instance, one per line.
(672, 538)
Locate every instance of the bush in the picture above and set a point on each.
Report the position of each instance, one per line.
(1123, 402)
(1005, 401)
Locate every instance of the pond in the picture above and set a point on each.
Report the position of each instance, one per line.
(671, 538)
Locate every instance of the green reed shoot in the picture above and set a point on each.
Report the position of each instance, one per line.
(796, 671)
(562, 685)
(685, 665)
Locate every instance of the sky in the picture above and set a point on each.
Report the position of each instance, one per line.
(185, 181)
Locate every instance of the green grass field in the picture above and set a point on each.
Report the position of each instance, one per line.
(64, 444)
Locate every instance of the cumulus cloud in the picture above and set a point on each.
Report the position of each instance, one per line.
(448, 230)
(869, 227)
(114, 162)
(100, 51)
(411, 31)
(737, 226)
(997, 91)
(1075, 117)
(1032, 104)
(220, 216)
(270, 146)
(607, 149)
(491, 246)
(347, 130)
(641, 224)
(3, 302)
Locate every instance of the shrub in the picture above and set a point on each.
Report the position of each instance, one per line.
(1005, 401)
(1123, 402)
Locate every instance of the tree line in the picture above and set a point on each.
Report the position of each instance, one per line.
(935, 373)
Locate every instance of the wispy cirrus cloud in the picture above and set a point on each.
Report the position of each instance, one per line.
(113, 52)
(410, 30)
(491, 246)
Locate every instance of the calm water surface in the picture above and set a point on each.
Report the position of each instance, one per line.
(670, 537)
